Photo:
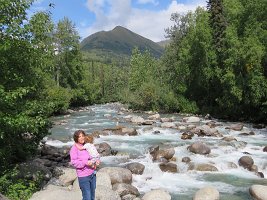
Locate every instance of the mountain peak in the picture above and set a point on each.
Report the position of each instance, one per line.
(119, 27)
(121, 41)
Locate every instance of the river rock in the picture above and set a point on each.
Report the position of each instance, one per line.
(76, 186)
(163, 153)
(231, 165)
(2, 197)
(148, 122)
(129, 131)
(102, 178)
(191, 126)
(187, 135)
(32, 171)
(259, 126)
(254, 168)
(55, 152)
(154, 117)
(199, 148)
(238, 144)
(168, 125)
(191, 119)
(186, 159)
(68, 176)
(207, 193)
(153, 149)
(206, 130)
(211, 124)
(202, 167)
(181, 128)
(123, 189)
(168, 167)
(260, 174)
(235, 127)
(120, 130)
(246, 162)
(265, 149)
(130, 197)
(136, 168)
(158, 194)
(137, 120)
(229, 139)
(118, 174)
(53, 192)
(166, 120)
(104, 193)
(258, 192)
(103, 149)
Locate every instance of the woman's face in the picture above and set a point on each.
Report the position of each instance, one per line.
(81, 139)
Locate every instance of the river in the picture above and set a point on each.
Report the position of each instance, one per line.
(232, 183)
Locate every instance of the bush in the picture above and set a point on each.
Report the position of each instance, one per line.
(59, 98)
(168, 102)
(18, 188)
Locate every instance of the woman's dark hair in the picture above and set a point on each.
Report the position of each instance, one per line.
(77, 133)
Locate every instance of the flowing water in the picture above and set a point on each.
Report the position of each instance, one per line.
(232, 183)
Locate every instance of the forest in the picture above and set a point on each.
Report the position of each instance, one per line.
(216, 63)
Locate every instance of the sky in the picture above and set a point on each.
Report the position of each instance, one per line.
(148, 18)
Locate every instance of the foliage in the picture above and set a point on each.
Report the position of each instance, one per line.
(58, 98)
(218, 23)
(22, 114)
(68, 70)
(220, 66)
(17, 188)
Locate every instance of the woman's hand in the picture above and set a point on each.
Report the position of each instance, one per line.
(90, 163)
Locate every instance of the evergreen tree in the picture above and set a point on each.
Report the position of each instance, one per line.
(218, 24)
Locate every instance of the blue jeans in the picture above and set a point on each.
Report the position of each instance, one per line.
(87, 185)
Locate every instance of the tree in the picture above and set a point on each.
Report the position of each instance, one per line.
(23, 116)
(68, 56)
(218, 23)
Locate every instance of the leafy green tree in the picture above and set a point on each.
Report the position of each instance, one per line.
(68, 56)
(221, 67)
(23, 121)
(141, 69)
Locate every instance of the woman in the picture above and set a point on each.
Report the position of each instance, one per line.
(80, 159)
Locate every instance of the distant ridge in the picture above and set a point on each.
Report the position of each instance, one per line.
(164, 43)
(119, 41)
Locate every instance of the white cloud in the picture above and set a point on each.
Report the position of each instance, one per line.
(147, 23)
(148, 1)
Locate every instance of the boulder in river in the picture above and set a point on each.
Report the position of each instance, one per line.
(246, 162)
(118, 174)
(207, 193)
(136, 168)
(158, 194)
(199, 148)
(258, 192)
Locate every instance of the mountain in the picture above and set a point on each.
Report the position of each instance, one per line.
(164, 43)
(120, 42)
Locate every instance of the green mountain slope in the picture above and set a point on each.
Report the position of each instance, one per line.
(164, 43)
(120, 42)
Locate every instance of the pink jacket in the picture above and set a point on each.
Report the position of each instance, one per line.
(79, 159)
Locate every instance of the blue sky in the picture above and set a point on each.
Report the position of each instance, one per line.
(148, 18)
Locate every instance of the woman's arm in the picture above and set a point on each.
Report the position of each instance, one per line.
(75, 160)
